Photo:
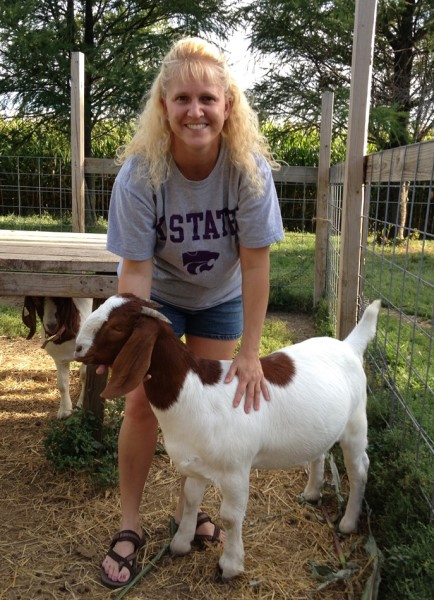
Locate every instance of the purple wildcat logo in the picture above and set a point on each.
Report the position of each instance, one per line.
(202, 260)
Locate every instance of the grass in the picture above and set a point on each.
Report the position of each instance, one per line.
(403, 272)
(292, 272)
(46, 221)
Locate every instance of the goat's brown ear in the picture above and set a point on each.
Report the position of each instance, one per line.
(132, 362)
(29, 316)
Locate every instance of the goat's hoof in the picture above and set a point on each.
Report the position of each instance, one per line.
(178, 548)
(62, 415)
(227, 574)
(309, 499)
(346, 527)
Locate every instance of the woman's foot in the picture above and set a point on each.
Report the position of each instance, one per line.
(207, 530)
(119, 566)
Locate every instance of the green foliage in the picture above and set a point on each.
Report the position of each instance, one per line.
(308, 49)
(123, 46)
(274, 336)
(300, 146)
(71, 445)
(400, 517)
(11, 322)
(26, 136)
(323, 325)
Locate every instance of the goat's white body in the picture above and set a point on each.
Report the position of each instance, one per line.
(210, 441)
(203, 428)
(322, 402)
(63, 355)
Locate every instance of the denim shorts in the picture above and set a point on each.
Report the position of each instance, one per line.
(221, 322)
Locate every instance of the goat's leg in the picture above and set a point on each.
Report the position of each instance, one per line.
(194, 490)
(357, 464)
(65, 408)
(235, 494)
(82, 385)
(312, 491)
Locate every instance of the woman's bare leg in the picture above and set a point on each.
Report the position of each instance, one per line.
(136, 446)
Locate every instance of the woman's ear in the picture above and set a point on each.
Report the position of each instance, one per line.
(164, 105)
(228, 106)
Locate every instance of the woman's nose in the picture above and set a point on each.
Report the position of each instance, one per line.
(195, 109)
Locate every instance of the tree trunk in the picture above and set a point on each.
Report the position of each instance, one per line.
(402, 211)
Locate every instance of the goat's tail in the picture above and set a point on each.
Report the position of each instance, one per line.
(365, 329)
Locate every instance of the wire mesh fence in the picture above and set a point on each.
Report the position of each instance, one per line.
(398, 267)
(35, 193)
(397, 257)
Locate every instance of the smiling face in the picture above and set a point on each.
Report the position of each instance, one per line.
(196, 112)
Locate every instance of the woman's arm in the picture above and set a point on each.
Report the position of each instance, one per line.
(136, 277)
(255, 269)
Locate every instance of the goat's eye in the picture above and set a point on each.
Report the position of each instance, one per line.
(117, 329)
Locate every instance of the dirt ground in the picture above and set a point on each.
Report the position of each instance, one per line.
(56, 527)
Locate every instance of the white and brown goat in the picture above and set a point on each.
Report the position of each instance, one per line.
(61, 319)
(317, 397)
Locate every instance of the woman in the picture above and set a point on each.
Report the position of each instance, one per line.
(192, 215)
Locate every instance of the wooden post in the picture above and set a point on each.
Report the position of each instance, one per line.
(352, 209)
(322, 224)
(77, 141)
(93, 401)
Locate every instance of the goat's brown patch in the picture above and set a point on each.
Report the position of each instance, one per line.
(163, 388)
(279, 369)
(209, 371)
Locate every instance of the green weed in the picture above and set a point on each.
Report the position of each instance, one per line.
(71, 445)
(11, 324)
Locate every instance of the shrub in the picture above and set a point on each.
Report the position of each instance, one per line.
(71, 444)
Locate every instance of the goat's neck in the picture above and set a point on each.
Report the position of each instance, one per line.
(171, 361)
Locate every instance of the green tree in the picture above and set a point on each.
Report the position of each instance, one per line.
(309, 45)
(123, 42)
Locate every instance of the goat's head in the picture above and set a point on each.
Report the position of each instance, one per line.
(121, 333)
(59, 317)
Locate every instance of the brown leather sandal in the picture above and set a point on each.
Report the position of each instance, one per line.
(130, 561)
(202, 538)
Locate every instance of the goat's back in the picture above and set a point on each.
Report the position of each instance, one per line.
(301, 421)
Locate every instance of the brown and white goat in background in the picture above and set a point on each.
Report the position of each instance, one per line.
(317, 397)
(61, 319)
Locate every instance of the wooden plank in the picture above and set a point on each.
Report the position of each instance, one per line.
(101, 166)
(38, 251)
(289, 174)
(286, 174)
(53, 284)
(53, 237)
(77, 140)
(406, 163)
(56, 252)
(61, 265)
(321, 218)
(353, 197)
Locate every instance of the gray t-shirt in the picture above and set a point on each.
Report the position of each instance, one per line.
(193, 229)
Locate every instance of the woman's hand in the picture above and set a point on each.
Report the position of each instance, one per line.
(251, 381)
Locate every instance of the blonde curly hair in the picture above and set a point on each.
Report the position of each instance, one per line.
(194, 57)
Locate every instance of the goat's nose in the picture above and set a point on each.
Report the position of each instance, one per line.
(78, 350)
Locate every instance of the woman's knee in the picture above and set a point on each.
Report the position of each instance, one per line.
(137, 406)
